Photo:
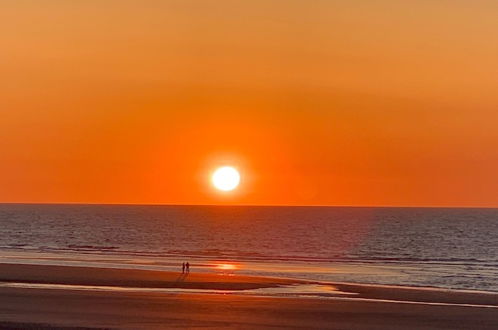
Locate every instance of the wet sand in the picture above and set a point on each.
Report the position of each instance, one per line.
(25, 308)
(132, 278)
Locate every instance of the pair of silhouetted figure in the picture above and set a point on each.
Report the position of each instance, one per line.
(186, 267)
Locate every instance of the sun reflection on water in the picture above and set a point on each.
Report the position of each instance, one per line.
(226, 268)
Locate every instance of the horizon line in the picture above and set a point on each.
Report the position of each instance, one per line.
(248, 205)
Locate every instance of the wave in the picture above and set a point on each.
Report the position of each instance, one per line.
(235, 255)
(92, 247)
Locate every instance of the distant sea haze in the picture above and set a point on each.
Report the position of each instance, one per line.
(436, 247)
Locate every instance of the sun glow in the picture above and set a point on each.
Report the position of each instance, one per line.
(226, 178)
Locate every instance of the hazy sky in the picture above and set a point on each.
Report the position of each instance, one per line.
(327, 102)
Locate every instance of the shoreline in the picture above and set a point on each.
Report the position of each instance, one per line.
(62, 297)
(52, 276)
(348, 273)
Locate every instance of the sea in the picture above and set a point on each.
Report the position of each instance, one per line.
(449, 248)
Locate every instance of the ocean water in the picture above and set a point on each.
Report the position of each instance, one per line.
(432, 247)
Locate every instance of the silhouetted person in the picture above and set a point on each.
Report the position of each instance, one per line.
(183, 267)
(187, 265)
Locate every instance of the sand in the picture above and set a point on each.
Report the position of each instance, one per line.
(37, 308)
(132, 278)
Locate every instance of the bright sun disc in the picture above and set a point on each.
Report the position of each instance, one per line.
(226, 178)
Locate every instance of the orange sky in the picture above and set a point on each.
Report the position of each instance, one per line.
(317, 102)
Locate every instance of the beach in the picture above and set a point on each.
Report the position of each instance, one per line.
(42, 296)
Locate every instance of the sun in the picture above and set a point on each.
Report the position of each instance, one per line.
(226, 178)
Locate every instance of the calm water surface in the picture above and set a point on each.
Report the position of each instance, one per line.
(440, 247)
